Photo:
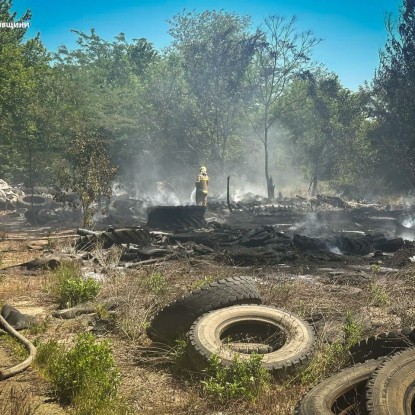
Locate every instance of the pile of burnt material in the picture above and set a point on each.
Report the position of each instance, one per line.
(234, 246)
(176, 217)
(350, 245)
(90, 239)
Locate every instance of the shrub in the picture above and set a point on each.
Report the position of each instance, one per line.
(72, 288)
(84, 375)
(380, 297)
(77, 290)
(244, 379)
(155, 282)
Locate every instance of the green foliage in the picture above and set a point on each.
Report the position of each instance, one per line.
(215, 50)
(72, 288)
(179, 356)
(393, 105)
(84, 376)
(332, 357)
(91, 171)
(352, 330)
(380, 297)
(155, 282)
(242, 379)
(327, 129)
(207, 279)
(15, 346)
(38, 328)
(24, 65)
(281, 54)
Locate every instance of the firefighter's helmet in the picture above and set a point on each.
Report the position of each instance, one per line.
(203, 170)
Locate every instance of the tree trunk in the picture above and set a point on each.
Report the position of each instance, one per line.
(268, 178)
(312, 189)
(271, 188)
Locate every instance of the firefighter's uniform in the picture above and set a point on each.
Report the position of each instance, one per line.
(202, 182)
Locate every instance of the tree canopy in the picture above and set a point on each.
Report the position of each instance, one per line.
(240, 99)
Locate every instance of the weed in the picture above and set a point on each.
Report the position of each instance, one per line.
(15, 346)
(163, 355)
(207, 279)
(242, 379)
(84, 376)
(352, 330)
(155, 282)
(77, 290)
(380, 297)
(72, 288)
(282, 292)
(108, 258)
(375, 268)
(332, 357)
(179, 356)
(37, 328)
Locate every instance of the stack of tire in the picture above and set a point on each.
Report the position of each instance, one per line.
(37, 206)
(226, 318)
(381, 382)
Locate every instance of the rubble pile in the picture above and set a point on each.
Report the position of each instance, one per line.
(8, 196)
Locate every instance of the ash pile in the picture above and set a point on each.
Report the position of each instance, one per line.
(256, 233)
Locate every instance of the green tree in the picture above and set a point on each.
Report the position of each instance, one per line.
(23, 68)
(101, 84)
(90, 171)
(328, 130)
(282, 54)
(393, 103)
(216, 50)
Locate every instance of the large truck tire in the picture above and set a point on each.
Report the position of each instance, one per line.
(381, 345)
(290, 338)
(343, 392)
(176, 318)
(391, 388)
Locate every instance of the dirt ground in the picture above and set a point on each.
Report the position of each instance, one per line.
(378, 290)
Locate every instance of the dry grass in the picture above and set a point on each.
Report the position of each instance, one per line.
(15, 400)
(150, 383)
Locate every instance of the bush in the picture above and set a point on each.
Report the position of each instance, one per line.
(84, 376)
(72, 288)
(244, 379)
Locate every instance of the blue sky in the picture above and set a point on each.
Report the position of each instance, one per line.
(353, 31)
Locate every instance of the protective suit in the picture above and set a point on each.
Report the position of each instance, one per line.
(202, 182)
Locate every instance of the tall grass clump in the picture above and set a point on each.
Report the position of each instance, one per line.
(242, 379)
(330, 358)
(85, 376)
(71, 287)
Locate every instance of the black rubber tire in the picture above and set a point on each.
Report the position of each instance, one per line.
(207, 333)
(176, 318)
(391, 245)
(26, 201)
(338, 392)
(391, 388)
(176, 217)
(381, 345)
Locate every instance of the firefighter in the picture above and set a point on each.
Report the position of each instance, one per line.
(202, 182)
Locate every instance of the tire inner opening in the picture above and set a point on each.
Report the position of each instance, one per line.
(36, 199)
(253, 337)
